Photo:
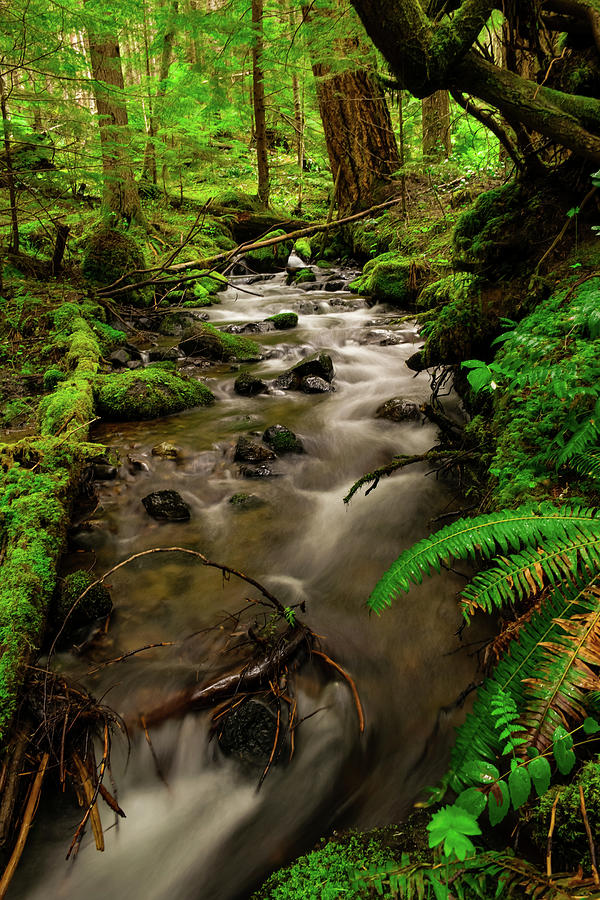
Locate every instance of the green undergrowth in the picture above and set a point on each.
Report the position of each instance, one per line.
(392, 278)
(547, 399)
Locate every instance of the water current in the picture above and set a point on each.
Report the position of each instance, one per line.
(208, 833)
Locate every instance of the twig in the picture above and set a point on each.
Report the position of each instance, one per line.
(338, 668)
(30, 811)
(110, 662)
(159, 771)
(590, 838)
(550, 833)
(273, 748)
(563, 230)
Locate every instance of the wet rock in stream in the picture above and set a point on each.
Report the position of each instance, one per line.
(312, 384)
(399, 410)
(166, 450)
(256, 472)
(246, 501)
(249, 732)
(249, 385)
(282, 440)
(319, 366)
(247, 450)
(167, 506)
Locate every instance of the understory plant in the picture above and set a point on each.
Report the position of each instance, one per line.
(538, 704)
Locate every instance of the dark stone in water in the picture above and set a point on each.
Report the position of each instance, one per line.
(258, 472)
(249, 731)
(103, 472)
(164, 354)
(135, 364)
(246, 501)
(249, 451)
(337, 284)
(250, 328)
(399, 410)
(119, 358)
(249, 385)
(282, 440)
(312, 384)
(416, 362)
(319, 366)
(167, 505)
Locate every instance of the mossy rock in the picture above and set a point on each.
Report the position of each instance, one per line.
(446, 290)
(304, 276)
(147, 394)
(212, 282)
(270, 259)
(283, 321)
(303, 248)
(240, 200)
(282, 440)
(391, 278)
(208, 342)
(109, 255)
(96, 604)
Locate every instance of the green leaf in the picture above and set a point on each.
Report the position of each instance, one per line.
(540, 772)
(498, 802)
(590, 725)
(481, 771)
(473, 800)
(519, 785)
(562, 749)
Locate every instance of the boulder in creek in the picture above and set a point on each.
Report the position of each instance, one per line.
(166, 450)
(167, 506)
(246, 501)
(256, 472)
(312, 384)
(249, 731)
(282, 440)
(148, 394)
(399, 410)
(250, 328)
(119, 358)
(319, 365)
(336, 284)
(283, 321)
(249, 385)
(247, 450)
(417, 362)
(164, 354)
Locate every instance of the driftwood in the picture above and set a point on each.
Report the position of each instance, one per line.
(123, 284)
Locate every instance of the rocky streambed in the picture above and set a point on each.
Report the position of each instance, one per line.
(261, 474)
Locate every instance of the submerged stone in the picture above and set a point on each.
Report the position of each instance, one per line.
(399, 410)
(247, 450)
(96, 604)
(320, 365)
(246, 501)
(249, 385)
(166, 450)
(166, 505)
(249, 731)
(282, 440)
(256, 472)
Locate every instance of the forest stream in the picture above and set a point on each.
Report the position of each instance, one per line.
(208, 832)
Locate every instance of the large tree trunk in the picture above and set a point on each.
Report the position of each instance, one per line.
(437, 142)
(156, 106)
(360, 139)
(258, 96)
(120, 196)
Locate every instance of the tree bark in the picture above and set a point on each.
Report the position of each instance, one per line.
(258, 96)
(9, 172)
(120, 194)
(156, 106)
(437, 142)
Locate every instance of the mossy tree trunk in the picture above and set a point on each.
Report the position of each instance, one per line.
(120, 193)
(258, 96)
(437, 141)
(430, 54)
(156, 106)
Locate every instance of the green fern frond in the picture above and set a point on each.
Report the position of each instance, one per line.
(524, 574)
(586, 436)
(586, 464)
(486, 535)
(547, 673)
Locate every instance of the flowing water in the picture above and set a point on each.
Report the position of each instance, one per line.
(208, 832)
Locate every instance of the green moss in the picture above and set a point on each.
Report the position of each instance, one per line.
(109, 255)
(327, 873)
(147, 394)
(283, 321)
(96, 603)
(270, 259)
(304, 275)
(52, 376)
(14, 412)
(391, 278)
(449, 289)
(570, 846)
(303, 249)
(211, 283)
(207, 341)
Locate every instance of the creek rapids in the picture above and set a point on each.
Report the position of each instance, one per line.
(208, 832)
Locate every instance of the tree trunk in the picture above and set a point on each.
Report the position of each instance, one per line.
(120, 196)
(157, 106)
(437, 142)
(8, 171)
(360, 139)
(258, 96)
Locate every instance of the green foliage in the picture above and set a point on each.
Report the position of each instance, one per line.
(451, 826)
(390, 277)
(273, 258)
(327, 873)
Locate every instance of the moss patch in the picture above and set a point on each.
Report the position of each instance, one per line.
(391, 278)
(147, 394)
(207, 341)
(270, 259)
(283, 321)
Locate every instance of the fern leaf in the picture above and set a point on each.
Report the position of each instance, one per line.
(586, 464)
(486, 535)
(524, 574)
